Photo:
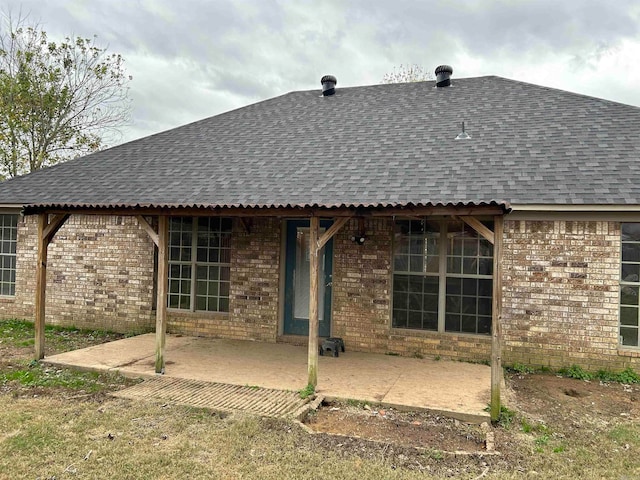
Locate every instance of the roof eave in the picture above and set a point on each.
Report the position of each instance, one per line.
(282, 210)
(542, 207)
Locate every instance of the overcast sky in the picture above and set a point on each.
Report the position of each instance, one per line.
(192, 59)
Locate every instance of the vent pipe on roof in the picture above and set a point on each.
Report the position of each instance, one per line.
(329, 83)
(443, 75)
(463, 135)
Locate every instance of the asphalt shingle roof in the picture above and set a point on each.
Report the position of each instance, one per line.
(369, 146)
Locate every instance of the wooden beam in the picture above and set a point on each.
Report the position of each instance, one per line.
(41, 286)
(246, 224)
(161, 301)
(314, 268)
(429, 211)
(479, 227)
(54, 225)
(496, 327)
(332, 230)
(149, 229)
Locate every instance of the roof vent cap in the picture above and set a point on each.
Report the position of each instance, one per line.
(329, 83)
(443, 75)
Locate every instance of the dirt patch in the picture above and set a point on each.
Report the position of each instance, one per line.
(407, 429)
(569, 404)
(544, 405)
(10, 354)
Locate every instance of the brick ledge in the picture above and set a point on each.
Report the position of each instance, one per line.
(410, 332)
(624, 352)
(177, 313)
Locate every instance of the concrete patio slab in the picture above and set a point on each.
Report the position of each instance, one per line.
(461, 390)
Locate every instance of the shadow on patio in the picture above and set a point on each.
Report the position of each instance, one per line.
(460, 390)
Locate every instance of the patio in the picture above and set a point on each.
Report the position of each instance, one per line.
(460, 390)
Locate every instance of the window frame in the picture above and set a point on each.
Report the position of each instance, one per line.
(443, 276)
(193, 263)
(478, 257)
(634, 285)
(10, 257)
(422, 275)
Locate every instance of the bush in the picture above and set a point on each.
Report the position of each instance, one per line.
(575, 371)
(506, 416)
(307, 391)
(520, 368)
(628, 375)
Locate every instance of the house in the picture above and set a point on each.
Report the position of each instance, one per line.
(462, 218)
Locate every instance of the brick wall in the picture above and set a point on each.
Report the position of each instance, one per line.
(560, 289)
(99, 274)
(254, 291)
(560, 286)
(361, 296)
(362, 288)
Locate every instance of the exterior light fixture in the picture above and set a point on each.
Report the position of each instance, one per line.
(358, 239)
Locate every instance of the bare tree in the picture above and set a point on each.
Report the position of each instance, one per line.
(407, 74)
(58, 100)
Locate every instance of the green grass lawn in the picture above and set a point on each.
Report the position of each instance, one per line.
(47, 438)
(19, 372)
(20, 334)
(62, 424)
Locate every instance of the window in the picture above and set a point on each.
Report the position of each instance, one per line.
(442, 285)
(416, 279)
(629, 284)
(8, 241)
(199, 263)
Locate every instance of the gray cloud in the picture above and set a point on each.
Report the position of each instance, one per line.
(197, 58)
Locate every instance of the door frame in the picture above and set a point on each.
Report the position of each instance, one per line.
(328, 303)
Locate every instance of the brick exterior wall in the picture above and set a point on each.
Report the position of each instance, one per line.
(560, 289)
(362, 289)
(362, 286)
(99, 275)
(254, 291)
(561, 294)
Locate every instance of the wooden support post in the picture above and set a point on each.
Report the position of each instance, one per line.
(313, 301)
(162, 280)
(496, 328)
(41, 285)
(46, 231)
